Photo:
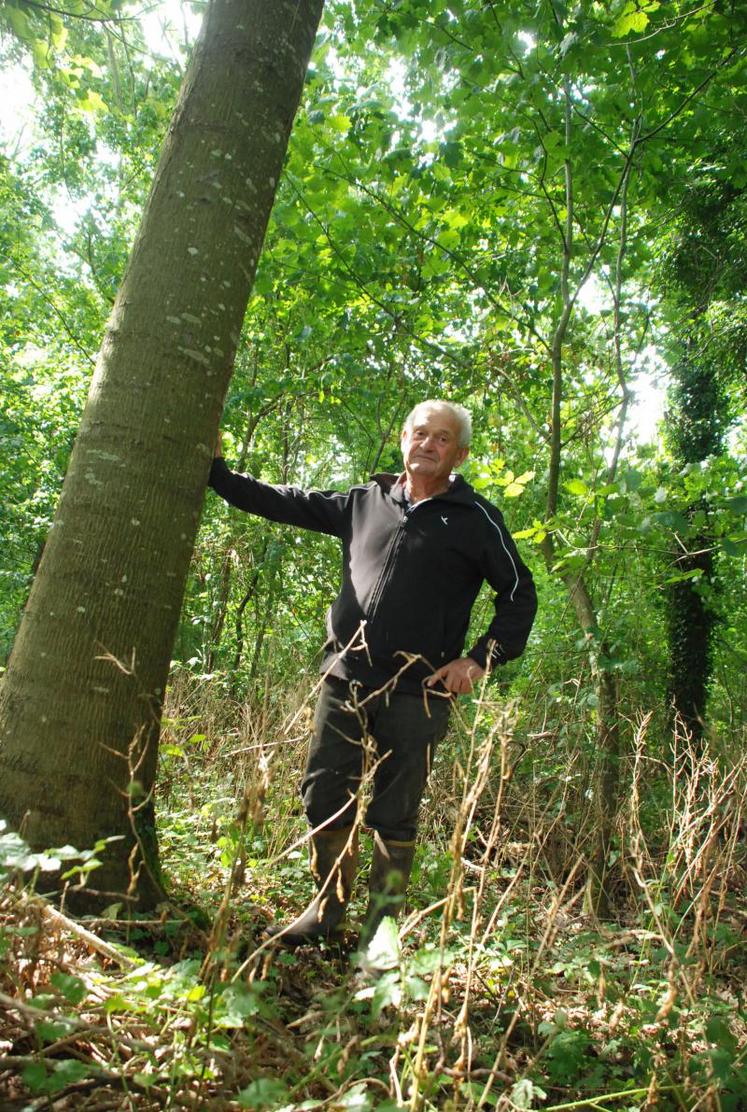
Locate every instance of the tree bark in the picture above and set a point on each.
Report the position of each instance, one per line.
(81, 702)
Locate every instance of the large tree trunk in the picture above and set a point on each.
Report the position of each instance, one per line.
(81, 702)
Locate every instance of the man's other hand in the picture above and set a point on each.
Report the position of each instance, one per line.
(458, 676)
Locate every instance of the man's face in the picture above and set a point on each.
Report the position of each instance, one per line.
(430, 449)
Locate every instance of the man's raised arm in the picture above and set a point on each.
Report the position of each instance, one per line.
(321, 511)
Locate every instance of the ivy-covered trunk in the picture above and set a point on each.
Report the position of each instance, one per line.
(81, 701)
(704, 272)
(696, 432)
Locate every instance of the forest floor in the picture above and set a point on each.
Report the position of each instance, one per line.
(503, 989)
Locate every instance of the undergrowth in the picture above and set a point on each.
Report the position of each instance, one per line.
(502, 988)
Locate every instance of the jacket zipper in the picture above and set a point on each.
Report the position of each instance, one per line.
(394, 546)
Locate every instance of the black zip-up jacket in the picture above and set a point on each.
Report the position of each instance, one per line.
(410, 575)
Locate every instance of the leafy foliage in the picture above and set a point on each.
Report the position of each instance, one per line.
(534, 209)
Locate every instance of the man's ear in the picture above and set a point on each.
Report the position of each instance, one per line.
(463, 453)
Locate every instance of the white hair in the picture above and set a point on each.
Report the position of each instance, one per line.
(461, 415)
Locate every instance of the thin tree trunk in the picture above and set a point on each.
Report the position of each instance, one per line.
(220, 608)
(605, 682)
(224, 590)
(606, 689)
(81, 703)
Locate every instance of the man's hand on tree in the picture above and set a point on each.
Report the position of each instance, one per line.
(458, 676)
(218, 446)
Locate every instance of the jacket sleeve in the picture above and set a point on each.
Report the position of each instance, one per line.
(515, 598)
(322, 511)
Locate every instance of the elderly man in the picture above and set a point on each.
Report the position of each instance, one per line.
(416, 550)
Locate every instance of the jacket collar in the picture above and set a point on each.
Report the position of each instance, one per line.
(394, 486)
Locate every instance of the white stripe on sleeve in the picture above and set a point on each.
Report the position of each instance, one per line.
(497, 528)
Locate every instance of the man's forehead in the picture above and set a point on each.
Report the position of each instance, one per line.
(434, 414)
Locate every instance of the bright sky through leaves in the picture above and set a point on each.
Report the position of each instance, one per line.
(168, 27)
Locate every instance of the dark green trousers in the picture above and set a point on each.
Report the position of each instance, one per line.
(403, 729)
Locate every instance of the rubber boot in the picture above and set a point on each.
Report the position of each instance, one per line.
(391, 866)
(333, 861)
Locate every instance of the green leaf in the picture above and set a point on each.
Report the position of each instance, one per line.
(239, 1003)
(719, 1032)
(680, 577)
(632, 19)
(118, 1003)
(35, 1076)
(448, 239)
(263, 1093)
(145, 1079)
(489, 1099)
(568, 41)
(58, 32)
(92, 102)
(72, 988)
(455, 219)
(387, 992)
(85, 62)
(671, 519)
(630, 480)
(50, 1030)
(20, 23)
(576, 486)
(67, 1072)
(44, 1001)
(42, 54)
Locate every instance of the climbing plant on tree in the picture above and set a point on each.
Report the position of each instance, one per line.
(704, 274)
